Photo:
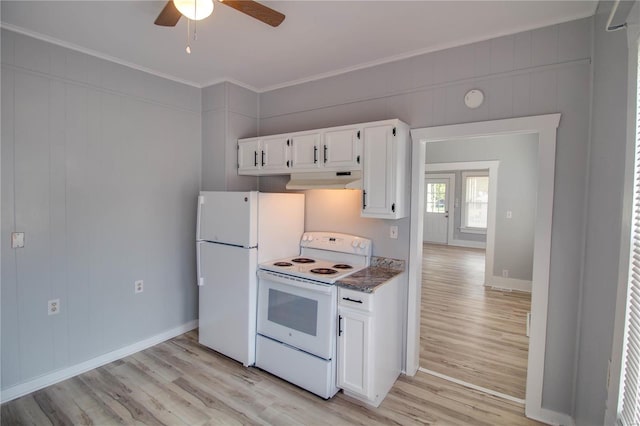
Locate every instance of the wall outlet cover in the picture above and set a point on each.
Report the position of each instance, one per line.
(17, 240)
(393, 232)
(53, 307)
(138, 286)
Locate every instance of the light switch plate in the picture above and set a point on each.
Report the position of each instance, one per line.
(393, 232)
(17, 240)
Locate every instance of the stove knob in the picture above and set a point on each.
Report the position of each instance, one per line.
(354, 244)
(362, 244)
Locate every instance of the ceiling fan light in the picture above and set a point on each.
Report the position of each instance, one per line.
(194, 9)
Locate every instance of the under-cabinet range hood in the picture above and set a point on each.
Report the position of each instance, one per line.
(326, 180)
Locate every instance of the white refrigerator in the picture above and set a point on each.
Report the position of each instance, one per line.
(235, 232)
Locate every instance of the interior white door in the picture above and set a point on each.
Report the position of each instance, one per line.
(436, 212)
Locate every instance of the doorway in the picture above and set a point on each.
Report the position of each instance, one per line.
(437, 205)
(545, 127)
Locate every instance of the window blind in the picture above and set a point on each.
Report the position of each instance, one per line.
(629, 413)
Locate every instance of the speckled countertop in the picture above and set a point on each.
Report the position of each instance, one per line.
(382, 269)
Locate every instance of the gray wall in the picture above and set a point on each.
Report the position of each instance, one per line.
(535, 72)
(517, 190)
(229, 113)
(604, 212)
(100, 169)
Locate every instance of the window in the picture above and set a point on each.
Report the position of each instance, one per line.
(629, 405)
(436, 196)
(475, 189)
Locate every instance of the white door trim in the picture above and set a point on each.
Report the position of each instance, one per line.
(545, 126)
(491, 208)
(450, 198)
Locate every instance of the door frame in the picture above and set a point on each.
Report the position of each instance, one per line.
(545, 126)
(492, 166)
(450, 199)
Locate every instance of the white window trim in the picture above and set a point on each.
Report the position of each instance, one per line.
(615, 367)
(463, 204)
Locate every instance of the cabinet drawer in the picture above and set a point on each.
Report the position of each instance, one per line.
(355, 299)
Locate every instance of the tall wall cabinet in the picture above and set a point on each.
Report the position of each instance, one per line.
(380, 150)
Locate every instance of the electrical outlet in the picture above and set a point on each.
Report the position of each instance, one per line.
(17, 240)
(393, 232)
(53, 307)
(505, 273)
(509, 214)
(139, 286)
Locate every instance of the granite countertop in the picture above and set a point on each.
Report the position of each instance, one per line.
(370, 278)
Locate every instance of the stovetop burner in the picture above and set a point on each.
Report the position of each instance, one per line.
(283, 264)
(342, 266)
(323, 271)
(303, 260)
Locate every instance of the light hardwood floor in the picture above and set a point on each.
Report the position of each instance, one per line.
(179, 382)
(469, 332)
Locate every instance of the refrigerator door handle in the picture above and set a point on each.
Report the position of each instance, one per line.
(199, 215)
(198, 267)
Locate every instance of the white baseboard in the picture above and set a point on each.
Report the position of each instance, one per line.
(509, 284)
(550, 417)
(68, 372)
(468, 244)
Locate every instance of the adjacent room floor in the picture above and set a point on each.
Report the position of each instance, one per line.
(179, 382)
(469, 332)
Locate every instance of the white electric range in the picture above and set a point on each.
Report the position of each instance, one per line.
(297, 309)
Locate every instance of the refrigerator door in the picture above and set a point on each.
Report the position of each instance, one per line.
(228, 217)
(280, 225)
(228, 297)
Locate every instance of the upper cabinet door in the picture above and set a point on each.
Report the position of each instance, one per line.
(275, 154)
(305, 151)
(377, 182)
(341, 148)
(248, 156)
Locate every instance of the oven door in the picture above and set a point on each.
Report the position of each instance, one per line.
(298, 313)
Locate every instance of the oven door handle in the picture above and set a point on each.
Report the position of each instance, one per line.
(293, 282)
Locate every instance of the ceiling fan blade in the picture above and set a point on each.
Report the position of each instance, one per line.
(169, 16)
(257, 11)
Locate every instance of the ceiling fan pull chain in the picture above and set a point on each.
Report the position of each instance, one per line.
(188, 46)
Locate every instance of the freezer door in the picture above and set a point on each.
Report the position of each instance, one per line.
(227, 300)
(228, 217)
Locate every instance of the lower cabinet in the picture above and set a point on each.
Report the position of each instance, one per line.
(369, 341)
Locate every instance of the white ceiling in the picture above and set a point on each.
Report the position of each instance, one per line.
(317, 38)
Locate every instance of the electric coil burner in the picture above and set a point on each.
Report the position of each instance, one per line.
(324, 257)
(323, 271)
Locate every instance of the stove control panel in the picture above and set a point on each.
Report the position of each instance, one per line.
(334, 241)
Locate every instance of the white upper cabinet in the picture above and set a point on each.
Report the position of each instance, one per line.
(341, 148)
(379, 149)
(386, 168)
(264, 155)
(248, 153)
(275, 154)
(305, 151)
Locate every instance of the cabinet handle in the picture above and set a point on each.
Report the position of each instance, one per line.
(364, 200)
(262, 158)
(339, 325)
(255, 158)
(358, 134)
(348, 299)
(393, 207)
(326, 150)
(358, 159)
(315, 154)
(287, 163)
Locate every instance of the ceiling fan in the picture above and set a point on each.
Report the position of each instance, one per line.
(170, 14)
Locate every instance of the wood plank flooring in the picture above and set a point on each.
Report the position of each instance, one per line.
(469, 332)
(179, 382)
